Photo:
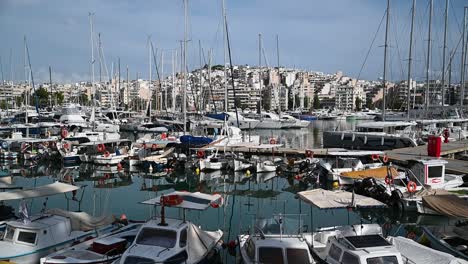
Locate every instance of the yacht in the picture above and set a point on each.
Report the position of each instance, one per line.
(231, 119)
(72, 117)
(373, 136)
(292, 122)
(266, 120)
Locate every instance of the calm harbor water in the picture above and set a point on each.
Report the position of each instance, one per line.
(246, 197)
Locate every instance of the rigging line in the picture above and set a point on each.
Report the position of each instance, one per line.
(372, 44)
(399, 57)
(459, 24)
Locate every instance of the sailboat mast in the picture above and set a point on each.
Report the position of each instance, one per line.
(225, 58)
(428, 63)
(185, 68)
(384, 84)
(260, 73)
(50, 85)
(279, 76)
(149, 79)
(174, 54)
(410, 60)
(444, 50)
(463, 58)
(92, 55)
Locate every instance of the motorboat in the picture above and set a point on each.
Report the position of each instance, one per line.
(373, 136)
(102, 249)
(72, 117)
(29, 238)
(212, 161)
(271, 243)
(266, 120)
(292, 122)
(451, 239)
(168, 240)
(231, 119)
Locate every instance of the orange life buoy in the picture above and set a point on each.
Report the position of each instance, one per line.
(154, 147)
(163, 136)
(272, 141)
(385, 159)
(107, 176)
(101, 147)
(171, 200)
(106, 154)
(411, 186)
(66, 146)
(375, 157)
(200, 154)
(64, 133)
(389, 180)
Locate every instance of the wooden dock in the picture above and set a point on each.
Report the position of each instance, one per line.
(447, 153)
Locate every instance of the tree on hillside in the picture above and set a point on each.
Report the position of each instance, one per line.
(358, 104)
(316, 103)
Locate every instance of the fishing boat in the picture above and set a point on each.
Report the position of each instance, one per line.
(103, 249)
(451, 239)
(28, 239)
(168, 240)
(212, 161)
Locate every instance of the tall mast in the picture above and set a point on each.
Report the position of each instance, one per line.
(92, 56)
(184, 104)
(201, 94)
(100, 61)
(279, 76)
(225, 59)
(128, 88)
(384, 84)
(444, 51)
(174, 52)
(428, 63)
(410, 60)
(463, 59)
(150, 75)
(50, 85)
(118, 89)
(260, 73)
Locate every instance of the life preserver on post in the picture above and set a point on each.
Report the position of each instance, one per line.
(375, 157)
(272, 141)
(154, 147)
(200, 154)
(309, 153)
(106, 154)
(101, 147)
(66, 146)
(411, 186)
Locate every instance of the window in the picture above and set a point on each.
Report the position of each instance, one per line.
(138, 260)
(335, 252)
(183, 238)
(157, 237)
(383, 260)
(27, 237)
(296, 255)
(10, 232)
(270, 255)
(434, 171)
(250, 249)
(349, 259)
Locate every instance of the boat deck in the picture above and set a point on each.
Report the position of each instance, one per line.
(420, 152)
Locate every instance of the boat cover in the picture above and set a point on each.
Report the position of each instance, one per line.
(195, 141)
(200, 242)
(378, 173)
(220, 116)
(45, 190)
(193, 201)
(324, 199)
(157, 158)
(417, 253)
(449, 205)
(81, 221)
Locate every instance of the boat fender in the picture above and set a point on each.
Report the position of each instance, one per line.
(382, 141)
(388, 180)
(365, 139)
(385, 159)
(309, 153)
(354, 137)
(342, 136)
(411, 186)
(106, 154)
(64, 133)
(4, 145)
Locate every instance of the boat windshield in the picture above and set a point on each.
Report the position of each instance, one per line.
(9, 233)
(383, 260)
(271, 255)
(297, 255)
(157, 237)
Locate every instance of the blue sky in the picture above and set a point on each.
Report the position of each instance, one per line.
(323, 36)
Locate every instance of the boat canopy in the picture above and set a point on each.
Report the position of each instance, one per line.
(324, 199)
(201, 242)
(193, 201)
(81, 221)
(449, 205)
(45, 190)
